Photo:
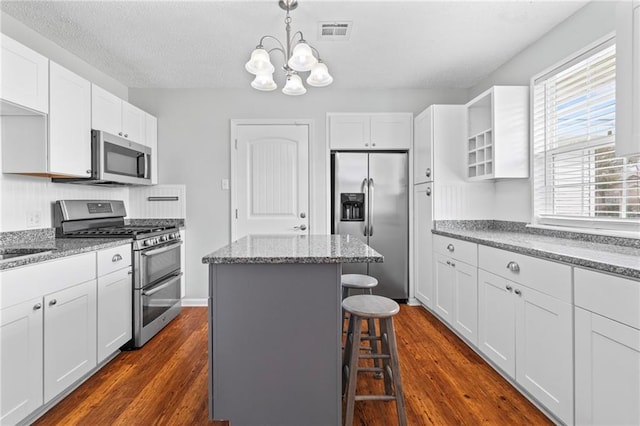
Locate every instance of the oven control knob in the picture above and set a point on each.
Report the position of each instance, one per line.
(147, 243)
(176, 235)
(164, 238)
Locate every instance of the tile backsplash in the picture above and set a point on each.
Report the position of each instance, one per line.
(26, 202)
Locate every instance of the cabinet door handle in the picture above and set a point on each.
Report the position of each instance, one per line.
(88, 171)
(453, 264)
(119, 133)
(428, 173)
(37, 306)
(448, 262)
(451, 248)
(513, 267)
(53, 302)
(509, 288)
(428, 191)
(116, 258)
(126, 135)
(518, 292)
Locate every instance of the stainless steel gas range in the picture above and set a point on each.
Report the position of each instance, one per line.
(157, 270)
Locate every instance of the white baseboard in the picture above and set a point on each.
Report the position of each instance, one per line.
(194, 302)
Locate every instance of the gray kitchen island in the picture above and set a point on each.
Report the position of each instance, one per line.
(275, 328)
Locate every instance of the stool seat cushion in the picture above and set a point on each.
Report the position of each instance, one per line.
(358, 281)
(370, 306)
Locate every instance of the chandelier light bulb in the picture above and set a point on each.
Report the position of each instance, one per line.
(260, 62)
(319, 76)
(294, 86)
(264, 82)
(302, 58)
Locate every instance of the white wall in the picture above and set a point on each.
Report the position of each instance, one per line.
(193, 146)
(21, 196)
(594, 21)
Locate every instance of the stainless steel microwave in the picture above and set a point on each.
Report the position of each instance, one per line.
(116, 161)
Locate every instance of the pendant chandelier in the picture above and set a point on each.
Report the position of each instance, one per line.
(301, 59)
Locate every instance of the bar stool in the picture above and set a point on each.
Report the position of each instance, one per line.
(350, 282)
(364, 283)
(363, 308)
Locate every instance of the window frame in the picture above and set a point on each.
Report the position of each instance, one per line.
(610, 226)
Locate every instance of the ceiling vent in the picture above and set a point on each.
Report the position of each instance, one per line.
(334, 31)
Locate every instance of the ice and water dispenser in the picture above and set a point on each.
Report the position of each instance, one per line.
(352, 206)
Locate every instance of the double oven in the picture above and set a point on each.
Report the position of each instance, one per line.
(156, 284)
(157, 263)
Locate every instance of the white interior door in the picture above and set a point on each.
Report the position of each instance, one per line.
(271, 180)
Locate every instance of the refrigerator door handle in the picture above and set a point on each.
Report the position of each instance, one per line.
(365, 189)
(372, 187)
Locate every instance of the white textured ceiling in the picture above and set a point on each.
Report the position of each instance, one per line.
(196, 44)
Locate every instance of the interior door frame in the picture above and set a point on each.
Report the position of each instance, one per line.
(234, 124)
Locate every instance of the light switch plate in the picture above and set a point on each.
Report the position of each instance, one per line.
(34, 219)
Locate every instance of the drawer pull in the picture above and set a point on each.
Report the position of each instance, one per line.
(518, 292)
(53, 302)
(513, 267)
(116, 258)
(453, 264)
(451, 248)
(37, 306)
(509, 288)
(448, 262)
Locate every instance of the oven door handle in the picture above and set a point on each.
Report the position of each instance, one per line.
(162, 250)
(162, 286)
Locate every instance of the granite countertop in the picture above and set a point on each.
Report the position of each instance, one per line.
(294, 249)
(612, 258)
(56, 248)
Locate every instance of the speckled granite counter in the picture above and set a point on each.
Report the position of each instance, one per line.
(584, 250)
(56, 248)
(275, 328)
(294, 249)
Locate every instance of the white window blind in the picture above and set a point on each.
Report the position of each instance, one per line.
(577, 178)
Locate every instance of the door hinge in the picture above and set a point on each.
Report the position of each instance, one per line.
(236, 143)
(236, 213)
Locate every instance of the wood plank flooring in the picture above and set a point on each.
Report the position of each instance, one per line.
(165, 382)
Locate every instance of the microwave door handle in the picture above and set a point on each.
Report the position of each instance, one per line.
(162, 250)
(147, 172)
(162, 286)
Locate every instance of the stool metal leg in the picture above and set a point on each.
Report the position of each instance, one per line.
(353, 369)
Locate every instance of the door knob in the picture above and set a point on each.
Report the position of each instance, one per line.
(303, 215)
(301, 227)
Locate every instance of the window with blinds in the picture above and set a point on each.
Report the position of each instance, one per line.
(577, 178)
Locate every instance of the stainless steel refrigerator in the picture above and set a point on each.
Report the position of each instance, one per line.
(370, 201)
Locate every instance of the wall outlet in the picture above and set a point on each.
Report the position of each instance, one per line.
(225, 184)
(34, 219)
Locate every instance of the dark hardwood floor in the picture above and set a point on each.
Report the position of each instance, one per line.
(165, 382)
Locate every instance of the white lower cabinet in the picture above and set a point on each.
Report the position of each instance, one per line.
(526, 332)
(115, 292)
(607, 345)
(69, 337)
(456, 285)
(21, 336)
(422, 244)
(57, 322)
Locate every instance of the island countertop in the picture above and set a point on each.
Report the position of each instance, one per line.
(280, 249)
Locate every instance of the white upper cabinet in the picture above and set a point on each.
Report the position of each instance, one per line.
(69, 123)
(390, 131)
(57, 145)
(628, 79)
(152, 142)
(498, 134)
(106, 111)
(113, 115)
(25, 77)
(423, 147)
